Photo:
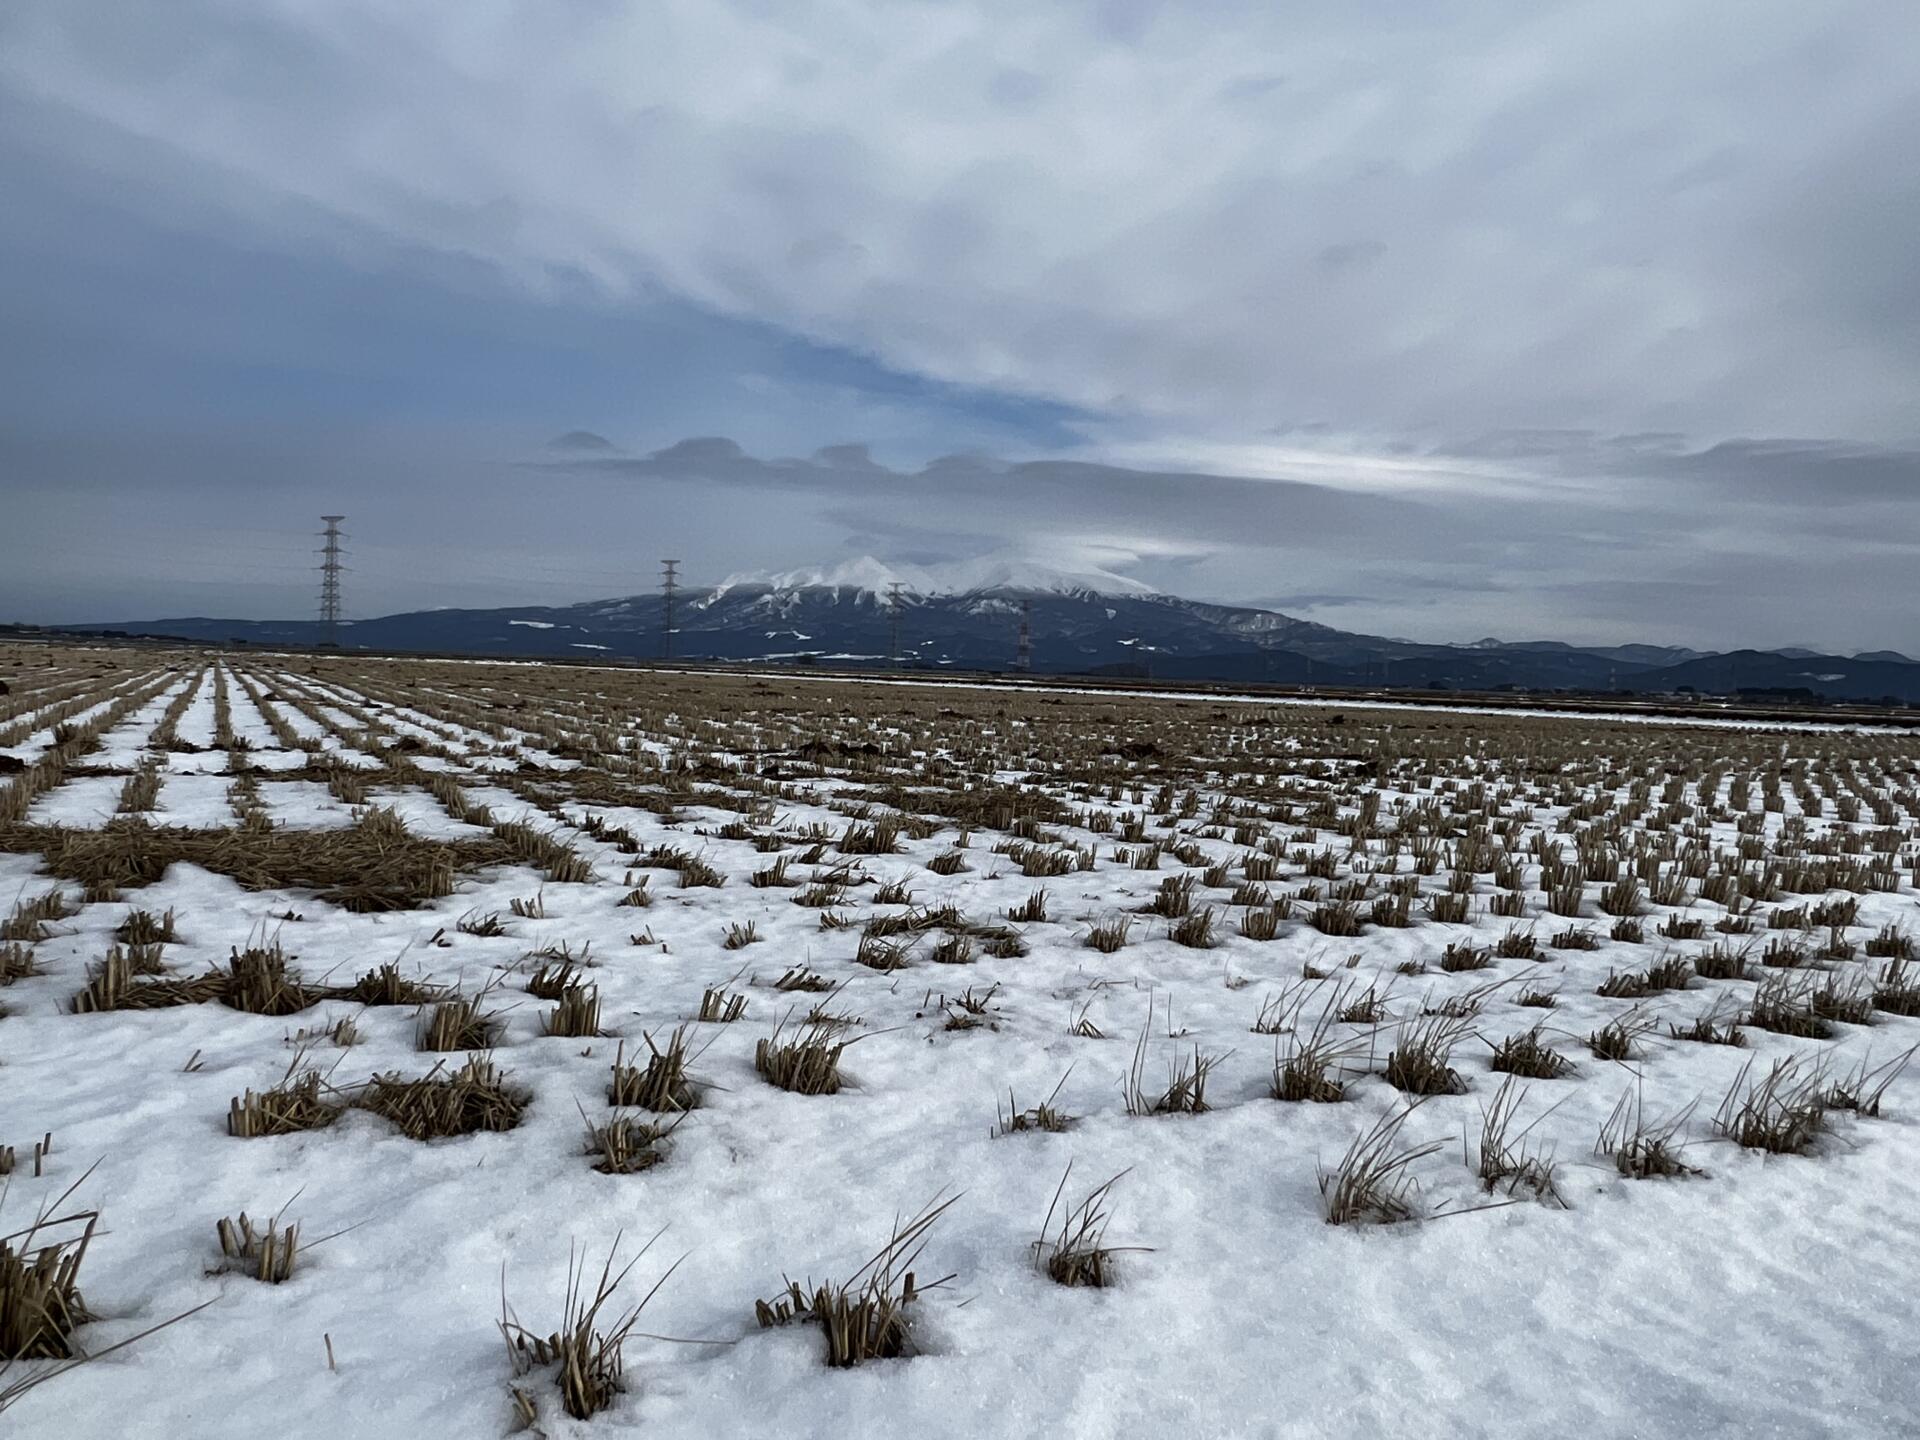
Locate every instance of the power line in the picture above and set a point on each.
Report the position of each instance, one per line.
(669, 583)
(330, 568)
(1023, 660)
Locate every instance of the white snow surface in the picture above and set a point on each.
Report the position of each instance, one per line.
(1764, 1296)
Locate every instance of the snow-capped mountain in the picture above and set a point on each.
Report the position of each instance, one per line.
(953, 578)
(969, 616)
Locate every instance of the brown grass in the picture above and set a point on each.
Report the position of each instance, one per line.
(1505, 1161)
(1077, 1255)
(806, 1064)
(718, 1006)
(883, 954)
(445, 1103)
(1641, 1149)
(356, 868)
(867, 1316)
(585, 1352)
(1046, 1117)
(576, 1013)
(296, 1104)
(1371, 1184)
(17, 962)
(625, 1145)
(1863, 1088)
(267, 1254)
(1031, 911)
(1784, 1005)
(661, 1085)
(954, 950)
(40, 1301)
(458, 1024)
(1616, 1039)
(1419, 1061)
(1460, 957)
(1302, 1064)
(385, 985)
(1782, 1112)
(1186, 1088)
(256, 980)
(143, 927)
(1194, 930)
(1897, 991)
(1527, 1054)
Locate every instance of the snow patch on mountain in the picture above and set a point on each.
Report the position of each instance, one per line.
(872, 576)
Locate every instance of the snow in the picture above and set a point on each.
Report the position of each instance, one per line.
(204, 762)
(196, 725)
(533, 624)
(125, 743)
(303, 805)
(85, 802)
(39, 741)
(960, 577)
(196, 801)
(1767, 1296)
(301, 725)
(817, 655)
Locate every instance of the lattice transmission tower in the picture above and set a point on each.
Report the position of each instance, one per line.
(893, 620)
(330, 568)
(669, 586)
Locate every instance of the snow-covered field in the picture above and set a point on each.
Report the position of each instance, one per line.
(1394, 902)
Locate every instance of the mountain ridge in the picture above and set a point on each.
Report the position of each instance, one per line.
(969, 617)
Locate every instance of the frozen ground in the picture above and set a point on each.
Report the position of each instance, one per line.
(1759, 1294)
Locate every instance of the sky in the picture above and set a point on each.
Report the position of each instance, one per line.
(1586, 321)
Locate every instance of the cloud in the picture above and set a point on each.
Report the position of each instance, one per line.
(1351, 254)
(714, 452)
(1620, 217)
(1143, 512)
(582, 442)
(1577, 541)
(1569, 536)
(1471, 320)
(846, 457)
(1796, 472)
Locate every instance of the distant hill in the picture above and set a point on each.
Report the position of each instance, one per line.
(969, 618)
